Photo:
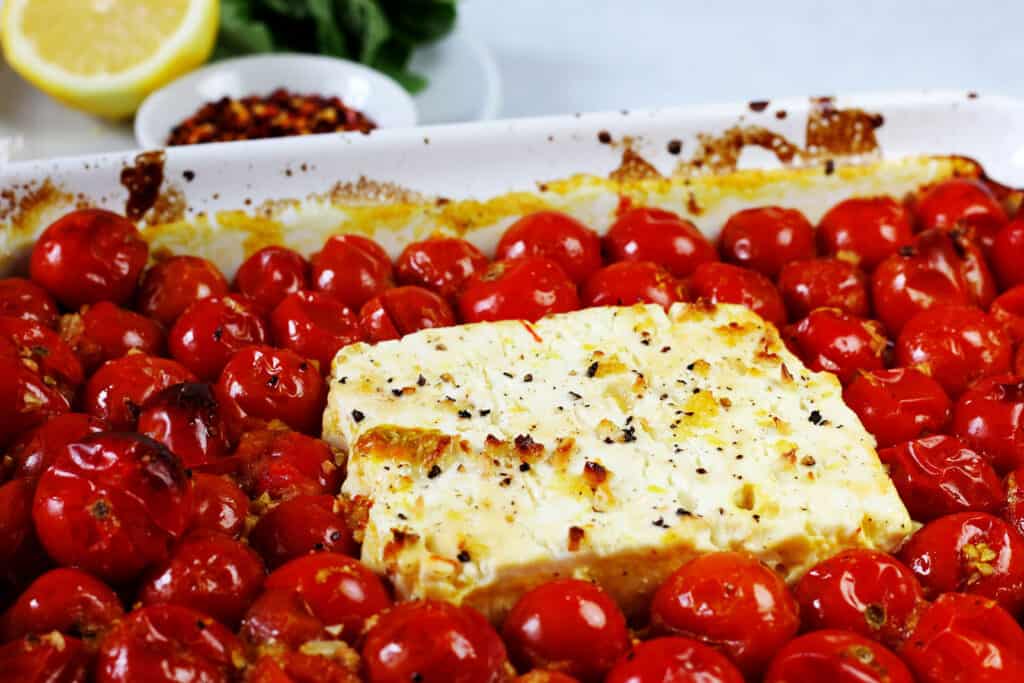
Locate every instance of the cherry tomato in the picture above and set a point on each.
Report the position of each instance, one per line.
(174, 284)
(1006, 254)
(940, 475)
(283, 616)
(260, 384)
(958, 344)
(541, 676)
(648, 234)
(898, 405)
(219, 505)
(526, 289)
(1013, 512)
(438, 641)
(766, 238)
(956, 256)
(211, 330)
(633, 282)
(962, 203)
(50, 658)
(721, 283)
(1008, 309)
(42, 351)
(299, 526)
(112, 504)
(865, 230)
(403, 310)
(314, 325)
(673, 660)
(185, 418)
(352, 269)
(26, 400)
(970, 552)
(904, 285)
(271, 274)
(288, 666)
(21, 298)
(283, 463)
(567, 625)
(832, 341)
(823, 283)
(33, 451)
(732, 602)
(103, 332)
(119, 389)
(168, 643)
(838, 657)
(65, 600)
(864, 591)
(440, 264)
(21, 556)
(559, 237)
(965, 639)
(89, 256)
(989, 417)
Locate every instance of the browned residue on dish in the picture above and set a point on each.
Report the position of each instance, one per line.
(633, 167)
(143, 181)
(369, 191)
(721, 153)
(18, 202)
(169, 206)
(832, 132)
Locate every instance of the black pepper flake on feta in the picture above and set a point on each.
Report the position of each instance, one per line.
(357, 415)
(660, 522)
(420, 381)
(524, 467)
(463, 556)
(397, 393)
(528, 377)
(629, 434)
(485, 412)
(465, 414)
(592, 369)
(815, 417)
(683, 512)
(691, 366)
(342, 380)
(435, 472)
(574, 396)
(701, 470)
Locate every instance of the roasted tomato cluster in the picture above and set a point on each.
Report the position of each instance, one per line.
(168, 512)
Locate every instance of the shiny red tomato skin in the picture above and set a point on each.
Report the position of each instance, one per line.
(832, 341)
(21, 298)
(26, 400)
(939, 475)
(1013, 511)
(314, 325)
(219, 505)
(112, 504)
(898, 405)
(1006, 255)
(261, 384)
(673, 660)
(632, 282)
(352, 269)
(437, 640)
(866, 592)
(965, 639)
(399, 311)
(732, 602)
(542, 676)
(958, 344)
(119, 389)
(40, 349)
(524, 289)
(299, 526)
(721, 283)
(865, 230)
(567, 625)
(185, 418)
(50, 658)
(649, 234)
(284, 616)
(823, 283)
(989, 417)
(965, 204)
(766, 238)
(211, 330)
(1008, 310)
(104, 331)
(168, 643)
(557, 236)
(440, 264)
(282, 463)
(21, 556)
(174, 284)
(271, 274)
(33, 451)
(88, 256)
(971, 552)
(287, 666)
(836, 656)
(955, 255)
(65, 600)
(904, 285)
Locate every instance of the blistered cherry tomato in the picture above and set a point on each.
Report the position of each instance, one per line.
(722, 283)
(832, 341)
(26, 400)
(352, 269)
(185, 418)
(34, 450)
(940, 475)
(103, 332)
(314, 325)
(863, 591)
(50, 658)
(730, 601)
(865, 230)
(112, 504)
(898, 405)
(823, 283)
(1013, 512)
(260, 384)
(41, 350)
(903, 285)
(1008, 309)
(21, 298)
(89, 256)
(962, 203)
(559, 237)
(174, 284)
(1006, 255)
(287, 666)
(403, 310)
(271, 274)
(567, 625)
(283, 463)
(675, 660)
(433, 642)
(220, 505)
(970, 552)
(990, 418)
(168, 643)
(21, 556)
(119, 389)
(65, 600)
(766, 238)
(633, 282)
(211, 330)
(526, 289)
(955, 255)
(837, 657)
(965, 639)
(440, 264)
(648, 234)
(299, 526)
(284, 616)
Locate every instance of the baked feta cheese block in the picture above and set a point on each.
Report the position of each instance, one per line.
(611, 444)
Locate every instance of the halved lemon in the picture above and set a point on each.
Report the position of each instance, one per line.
(105, 56)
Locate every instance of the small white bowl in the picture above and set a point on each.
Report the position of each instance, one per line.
(358, 86)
